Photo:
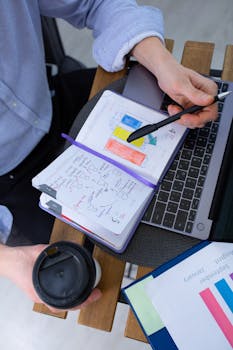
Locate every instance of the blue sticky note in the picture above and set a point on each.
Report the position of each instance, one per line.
(130, 121)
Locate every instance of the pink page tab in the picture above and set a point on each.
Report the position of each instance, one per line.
(125, 152)
(218, 314)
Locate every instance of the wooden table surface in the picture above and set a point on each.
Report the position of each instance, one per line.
(100, 314)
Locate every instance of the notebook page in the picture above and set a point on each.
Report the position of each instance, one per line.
(94, 188)
(112, 120)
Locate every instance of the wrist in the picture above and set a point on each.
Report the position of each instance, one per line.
(152, 54)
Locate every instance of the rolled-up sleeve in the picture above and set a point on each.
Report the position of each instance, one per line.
(117, 25)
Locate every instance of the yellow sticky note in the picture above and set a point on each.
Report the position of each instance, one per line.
(124, 134)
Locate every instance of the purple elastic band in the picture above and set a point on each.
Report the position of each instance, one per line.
(112, 161)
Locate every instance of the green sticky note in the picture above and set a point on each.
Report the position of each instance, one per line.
(143, 307)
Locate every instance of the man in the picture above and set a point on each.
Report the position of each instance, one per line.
(28, 132)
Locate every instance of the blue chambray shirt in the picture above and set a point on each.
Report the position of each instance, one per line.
(25, 105)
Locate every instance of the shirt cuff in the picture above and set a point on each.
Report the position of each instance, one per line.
(117, 40)
(120, 59)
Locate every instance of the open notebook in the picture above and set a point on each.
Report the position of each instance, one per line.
(102, 184)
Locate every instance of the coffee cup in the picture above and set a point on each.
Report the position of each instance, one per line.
(65, 274)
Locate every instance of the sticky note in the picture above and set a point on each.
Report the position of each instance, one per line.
(131, 121)
(123, 134)
(125, 152)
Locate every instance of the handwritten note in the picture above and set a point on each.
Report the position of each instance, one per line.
(92, 187)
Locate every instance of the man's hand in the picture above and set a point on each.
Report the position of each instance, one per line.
(17, 264)
(183, 85)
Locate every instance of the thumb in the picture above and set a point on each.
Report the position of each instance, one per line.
(198, 97)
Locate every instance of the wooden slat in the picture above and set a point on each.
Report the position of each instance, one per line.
(227, 73)
(104, 78)
(198, 56)
(169, 43)
(41, 308)
(100, 314)
(62, 231)
(132, 329)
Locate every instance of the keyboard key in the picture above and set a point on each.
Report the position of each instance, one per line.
(158, 213)
(189, 227)
(166, 185)
(170, 175)
(183, 165)
(168, 220)
(190, 182)
(212, 137)
(186, 154)
(220, 107)
(181, 175)
(174, 165)
(199, 152)
(198, 192)
(185, 204)
(172, 207)
(201, 141)
(192, 215)
(178, 185)
(206, 159)
(181, 220)
(188, 193)
(225, 87)
(209, 148)
(163, 196)
(189, 144)
(200, 181)
(196, 162)
(192, 135)
(195, 203)
(175, 196)
(193, 172)
(203, 170)
(204, 132)
(214, 128)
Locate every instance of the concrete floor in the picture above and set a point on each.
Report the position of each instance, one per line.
(22, 329)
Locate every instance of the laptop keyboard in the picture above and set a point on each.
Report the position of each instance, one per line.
(175, 204)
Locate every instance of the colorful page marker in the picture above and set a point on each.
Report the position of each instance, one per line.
(125, 152)
(123, 135)
(131, 121)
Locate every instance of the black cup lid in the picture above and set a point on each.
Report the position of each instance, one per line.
(64, 274)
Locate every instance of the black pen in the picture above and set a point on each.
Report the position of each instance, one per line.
(147, 129)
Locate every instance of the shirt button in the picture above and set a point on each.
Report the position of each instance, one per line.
(14, 104)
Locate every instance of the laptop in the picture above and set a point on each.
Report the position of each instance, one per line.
(195, 197)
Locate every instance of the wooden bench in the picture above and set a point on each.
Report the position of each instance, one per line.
(100, 314)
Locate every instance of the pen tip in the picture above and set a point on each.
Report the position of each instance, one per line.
(224, 94)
